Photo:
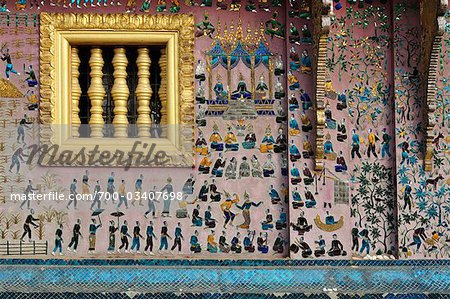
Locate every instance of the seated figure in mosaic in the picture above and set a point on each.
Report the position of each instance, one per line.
(269, 167)
(274, 196)
(306, 67)
(268, 223)
(205, 164)
(281, 142)
(214, 194)
(201, 146)
(301, 226)
(231, 169)
(279, 90)
(293, 82)
(216, 139)
(342, 131)
(329, 121)
(279, 66)
(307, 148)
(241, 90)
(209, 221)
(212, 244)
(267, 142)
(328, 148)
(217, 170)
(257, 171)
(200, 94)
(230, 140)
(248, 241)
(236, 243)
(200, 120)
(219, 90)
(320, 249)
(196, 219)
(281, 116)
(244, 168)
(297, 201)
(282, 222)
(306, 35)
(261, 241)
(294, 152)
(310, 201)
(336, 247)
(293, 103)
(306, 123)
(278, 245)
(295, 175)
(340, 166)
(195, 245)
(308, 177)
(294, 128)
(250, 139)
(305, 99)
(262, 88)
(223, 245)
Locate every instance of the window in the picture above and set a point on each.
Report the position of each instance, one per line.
(116, 82)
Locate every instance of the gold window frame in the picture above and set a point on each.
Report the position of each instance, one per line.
(57, 33)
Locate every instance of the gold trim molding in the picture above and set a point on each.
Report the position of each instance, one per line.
(432, 21)
(322, 22)
(60, 31)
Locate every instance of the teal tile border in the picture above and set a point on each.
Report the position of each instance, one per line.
(213, 276)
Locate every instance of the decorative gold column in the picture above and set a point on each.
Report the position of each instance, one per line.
(96, 92)
(143, 92)
(76, 93)
(271, 70)
(209, 71)
(162, 93)
(120, 93)
(252, 71)
(229, 76)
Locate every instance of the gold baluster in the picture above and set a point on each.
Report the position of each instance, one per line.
(76, 93)
(120, 93)
(96, 93)
(143, 92)
(163, 90)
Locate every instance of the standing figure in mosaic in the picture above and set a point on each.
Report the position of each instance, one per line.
(122, 195)
(124, 235)
(151, 203)
(136, 244)
(112, 236)
(150, 234)
(168, 189)
(58, 240)
(178, 237)
(372, 139)
(21, 128)
(226, 208)
(164, 243)
(93, 235)
(9, 65)
(245, 207)
(73, 194)
(16, 158)
(356, 141)
(97, 196)
(110, 188)
(26, 226)
(138, 190)
(76, 235)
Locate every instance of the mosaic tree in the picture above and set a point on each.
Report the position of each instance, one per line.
(373, 202)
